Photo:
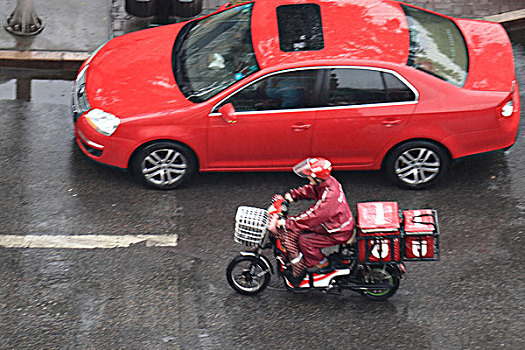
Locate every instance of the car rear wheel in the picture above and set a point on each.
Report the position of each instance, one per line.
(164, 165)
(416, 164)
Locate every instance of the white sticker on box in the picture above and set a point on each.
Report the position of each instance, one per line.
(419, 249)
(380, 214)
(380, 253)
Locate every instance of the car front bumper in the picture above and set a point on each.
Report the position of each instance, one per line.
(109, 150)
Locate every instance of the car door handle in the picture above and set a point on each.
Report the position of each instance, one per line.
(301, 127)
(390, 121)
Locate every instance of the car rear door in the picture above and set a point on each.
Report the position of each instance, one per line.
(274, 122)
(362, 110)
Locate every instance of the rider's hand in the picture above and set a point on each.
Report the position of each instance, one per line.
(281, 223)
(276, 197)
(288, 197)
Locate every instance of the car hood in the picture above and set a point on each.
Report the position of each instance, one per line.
(132, 74)
(491, 60)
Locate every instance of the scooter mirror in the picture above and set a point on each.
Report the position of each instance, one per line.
(228, 113)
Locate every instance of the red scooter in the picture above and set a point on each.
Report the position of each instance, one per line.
(370, 263)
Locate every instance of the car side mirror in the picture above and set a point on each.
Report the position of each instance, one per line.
(228, 113)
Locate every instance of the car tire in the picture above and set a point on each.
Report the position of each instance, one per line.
(164, 165)
(416, 165)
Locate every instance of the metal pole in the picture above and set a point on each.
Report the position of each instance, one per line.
(24, 20)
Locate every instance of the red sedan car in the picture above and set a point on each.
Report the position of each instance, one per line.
(367, 84)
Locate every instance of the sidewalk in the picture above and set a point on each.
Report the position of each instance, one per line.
(75, 28)
(72, 30)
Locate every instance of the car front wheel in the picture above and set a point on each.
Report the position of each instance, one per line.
(416, 164)
(164, 165)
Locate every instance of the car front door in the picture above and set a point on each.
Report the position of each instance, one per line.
(362, 110)
(273, 122)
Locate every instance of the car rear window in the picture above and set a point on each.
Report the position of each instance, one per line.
(436, 46)
(300, 27)
(355, 86)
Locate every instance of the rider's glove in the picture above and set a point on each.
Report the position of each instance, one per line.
(277, 197)
(288, 197)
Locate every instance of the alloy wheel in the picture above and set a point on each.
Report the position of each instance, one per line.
(417, 166)
(164, 167)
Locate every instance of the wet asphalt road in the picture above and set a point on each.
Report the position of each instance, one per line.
(178, 298)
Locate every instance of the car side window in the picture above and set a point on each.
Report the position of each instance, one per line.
(287, 90)
(353, 86)
(397, 90)
(300, 27)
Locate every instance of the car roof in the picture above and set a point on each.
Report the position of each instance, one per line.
(352, 29)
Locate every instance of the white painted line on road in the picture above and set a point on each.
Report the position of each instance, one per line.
(86, 241)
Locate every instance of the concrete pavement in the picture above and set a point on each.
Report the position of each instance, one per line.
(73, 29)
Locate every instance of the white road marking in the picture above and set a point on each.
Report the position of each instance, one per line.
(86, 241)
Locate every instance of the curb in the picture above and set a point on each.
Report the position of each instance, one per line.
(66, 60)
(506, 17)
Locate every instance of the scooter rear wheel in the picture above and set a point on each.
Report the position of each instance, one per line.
(247, 275)
(383, 277)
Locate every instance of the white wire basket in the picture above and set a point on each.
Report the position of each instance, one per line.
(250, 225)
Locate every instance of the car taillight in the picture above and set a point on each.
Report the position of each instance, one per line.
(506, 109)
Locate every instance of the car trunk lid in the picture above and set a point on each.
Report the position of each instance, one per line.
(491, 60)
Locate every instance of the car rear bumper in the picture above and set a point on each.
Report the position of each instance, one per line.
(483, 141)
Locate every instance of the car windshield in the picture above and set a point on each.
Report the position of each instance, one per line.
(436, 46)
(213, 53)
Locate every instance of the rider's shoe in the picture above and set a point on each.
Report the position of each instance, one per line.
(294, 281)
(321, 267)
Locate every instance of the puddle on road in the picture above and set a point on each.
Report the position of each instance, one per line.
(8, 89)
(51, 91)
(40, 91)
(41, 86)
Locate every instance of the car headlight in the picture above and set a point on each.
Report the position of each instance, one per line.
(80, 101)
(103, 122)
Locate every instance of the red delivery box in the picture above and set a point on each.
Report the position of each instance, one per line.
(421, 234)
(378, 217)
(378, 233)
(379, 250)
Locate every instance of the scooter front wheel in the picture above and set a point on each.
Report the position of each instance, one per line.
(386, 280)
(247, 275)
